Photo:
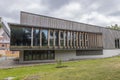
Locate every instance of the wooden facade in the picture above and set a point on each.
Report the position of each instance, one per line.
(108, 38)
(64, 39)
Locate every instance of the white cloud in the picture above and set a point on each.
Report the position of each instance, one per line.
(97, 12)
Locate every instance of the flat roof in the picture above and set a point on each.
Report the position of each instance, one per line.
(24, 25)
(62, 19)
(68, 20)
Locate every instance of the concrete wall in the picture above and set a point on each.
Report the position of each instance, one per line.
(72, 55)
(65, 55)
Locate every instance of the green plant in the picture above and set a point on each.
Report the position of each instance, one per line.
(58, 63)
(16, 59)
(0, 55)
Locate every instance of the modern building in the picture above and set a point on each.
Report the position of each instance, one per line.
(42, 39)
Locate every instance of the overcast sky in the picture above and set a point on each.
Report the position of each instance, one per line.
(97, 12)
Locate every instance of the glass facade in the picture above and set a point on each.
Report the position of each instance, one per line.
(56, 38)
(65, 38)
(61, 38)
(51, 37)
(44, 37)
(117, 43)
(24, 36)
(69, 38)
(36, 37)
(75, 39)
(21, 36)
(38, 55)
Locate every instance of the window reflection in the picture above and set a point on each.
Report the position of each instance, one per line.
(61, 39)
(20, 36)
(65, 38)
(27, 37)
(56, 38)
(75, 38)
(51, 38)
(36, 37)
(72, 38)
(38, 55)
(44, 37)
(69, 37)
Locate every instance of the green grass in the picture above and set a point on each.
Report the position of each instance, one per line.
(98, 69)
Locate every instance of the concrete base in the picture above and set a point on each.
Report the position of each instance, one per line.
(66, 55)
(72, 55)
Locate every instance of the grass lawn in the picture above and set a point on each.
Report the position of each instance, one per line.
(99, 69)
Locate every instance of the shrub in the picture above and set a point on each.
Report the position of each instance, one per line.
(0, 55)
(59, 63)
(16, 59)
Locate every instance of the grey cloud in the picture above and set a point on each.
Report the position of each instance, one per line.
(117, 13)
(10, 9)
(55, 4)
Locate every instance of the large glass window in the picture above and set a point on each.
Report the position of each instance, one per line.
(79, 41)
(116, 43)
(74, 39)
(20, 36)
(36, 37)
(65, 38)
(44, 37)
(15, 32)
(82, 39)
(61, 38)
(39, 55)
(27, 37)
(56, 38)
(86, 39)
(51, 38)
(69, 38)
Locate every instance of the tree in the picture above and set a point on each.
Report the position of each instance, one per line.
(114, 27)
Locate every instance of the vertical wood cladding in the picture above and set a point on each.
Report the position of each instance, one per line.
(108, 38)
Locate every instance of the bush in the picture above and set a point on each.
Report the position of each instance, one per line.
(0, 55)
(16, 59)
(59, 63)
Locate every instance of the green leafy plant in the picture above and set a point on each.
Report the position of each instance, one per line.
(16, 59)
(59, 64)
(0, 55)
